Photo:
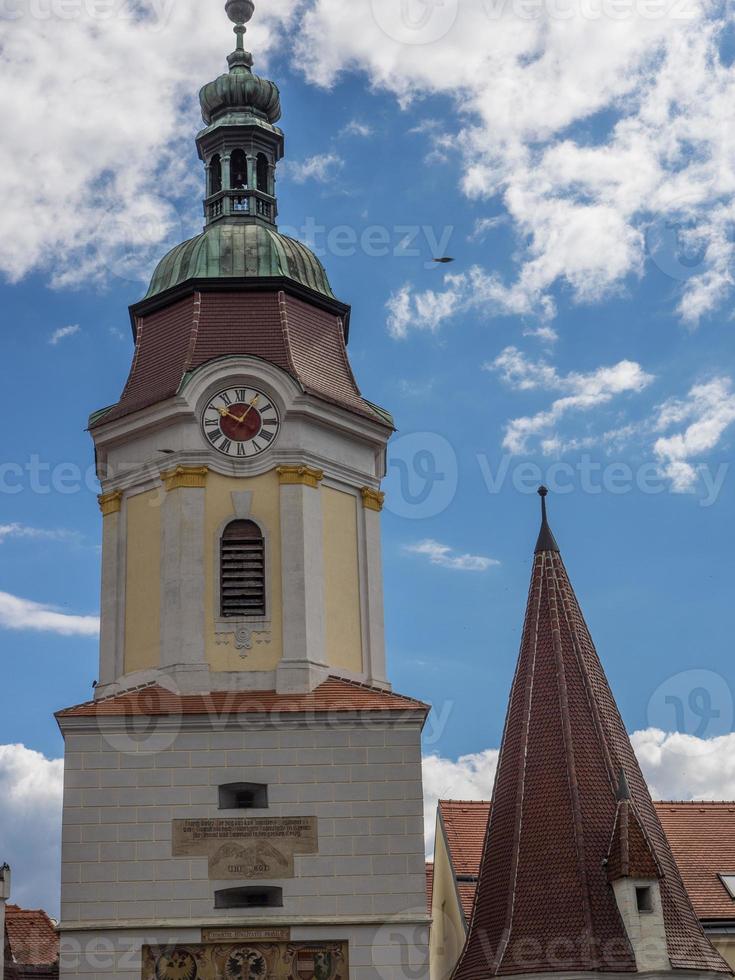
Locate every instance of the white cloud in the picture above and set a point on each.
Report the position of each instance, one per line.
(709, 409)
(677, 767)
(582, 391)
(474, 290)
(470, 777)
(357, 128)
(322, 168)
(24, 614)
(8, 531)
(591, 127)
(30, 815)
(446, 557)
(63, 332)
(106, 177)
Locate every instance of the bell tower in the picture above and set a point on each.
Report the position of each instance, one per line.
(241, 415)
(241, 145)
(243, 794)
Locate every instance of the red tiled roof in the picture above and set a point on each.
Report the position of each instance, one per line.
(554, 810)
(702, 837)
(429, 885)
(32, 937)
(299, 337)
(335, 694)
(465, 824)
(467, 891)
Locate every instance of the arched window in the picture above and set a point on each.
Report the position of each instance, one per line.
(242, 570)
(215, 174)
(262, 173)
(238, 170)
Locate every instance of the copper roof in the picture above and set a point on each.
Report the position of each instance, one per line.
(701, 835)
(32, 937)
(300, 337)
(554, 810)
(334, 695)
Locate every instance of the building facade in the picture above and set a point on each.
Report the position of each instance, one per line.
(243, 795)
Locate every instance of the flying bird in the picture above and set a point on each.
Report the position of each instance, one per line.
(445, 259)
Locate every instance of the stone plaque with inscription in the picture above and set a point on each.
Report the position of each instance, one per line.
(246, 847)
(247, 961)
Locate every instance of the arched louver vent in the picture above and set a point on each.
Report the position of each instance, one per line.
(242, 571)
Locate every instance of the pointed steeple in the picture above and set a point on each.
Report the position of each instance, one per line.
(569, 801)
(546, 540)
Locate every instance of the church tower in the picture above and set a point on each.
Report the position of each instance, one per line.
(243, 796)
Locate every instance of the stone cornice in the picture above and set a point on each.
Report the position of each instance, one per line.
(300, 476)
(189, 477)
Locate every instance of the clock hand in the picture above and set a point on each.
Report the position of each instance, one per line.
(252, 404)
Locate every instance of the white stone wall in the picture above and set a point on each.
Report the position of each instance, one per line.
(122, 792)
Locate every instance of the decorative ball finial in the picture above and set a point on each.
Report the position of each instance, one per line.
(543, 492)
(240, 11)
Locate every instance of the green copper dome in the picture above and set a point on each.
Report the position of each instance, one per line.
(240, 91)
(243, 251)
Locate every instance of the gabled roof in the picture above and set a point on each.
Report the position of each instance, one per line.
(32, 938)
(334, 695)
(554, 810)
(465, 825)
(701, 836)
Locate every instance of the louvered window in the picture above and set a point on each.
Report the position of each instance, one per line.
(242, 570)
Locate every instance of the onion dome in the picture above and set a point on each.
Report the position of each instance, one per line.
(239, 250)
(240, 90)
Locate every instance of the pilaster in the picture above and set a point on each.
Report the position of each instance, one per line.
(303, 665)
(182, 577)
(112, 600)
(372, 587)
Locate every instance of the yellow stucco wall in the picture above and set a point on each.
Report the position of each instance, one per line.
(341, 580)
(143, 581)
(726, 946)
(265, 510)
(447, 927)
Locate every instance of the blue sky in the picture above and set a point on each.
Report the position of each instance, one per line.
(582, 336)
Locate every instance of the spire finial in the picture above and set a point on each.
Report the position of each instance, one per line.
(546, 540)
(240, 13)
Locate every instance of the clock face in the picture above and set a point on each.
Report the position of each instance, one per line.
(240, 422)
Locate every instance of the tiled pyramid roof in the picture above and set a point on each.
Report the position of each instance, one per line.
(543, 880)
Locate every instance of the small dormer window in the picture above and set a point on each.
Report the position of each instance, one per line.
(644, 898)
(728, 880)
